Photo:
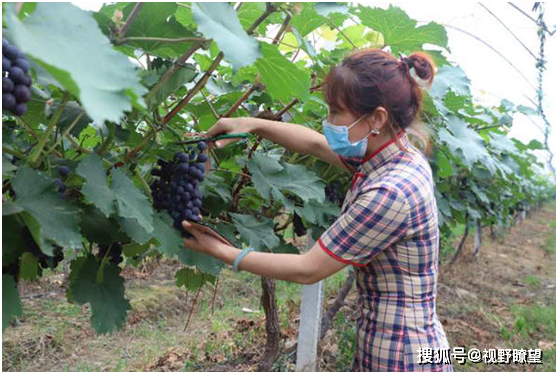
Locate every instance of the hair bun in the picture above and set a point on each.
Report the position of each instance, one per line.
(424, 66)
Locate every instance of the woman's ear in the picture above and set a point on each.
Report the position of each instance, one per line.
(378, 118)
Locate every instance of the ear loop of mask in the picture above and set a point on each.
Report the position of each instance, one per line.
(375, 131)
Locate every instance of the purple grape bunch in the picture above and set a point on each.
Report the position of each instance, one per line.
(176, 186)
(16, 82)
(61, 186)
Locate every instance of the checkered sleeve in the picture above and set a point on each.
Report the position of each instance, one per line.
(377, 219)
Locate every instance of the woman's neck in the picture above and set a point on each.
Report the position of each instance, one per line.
(375, 142)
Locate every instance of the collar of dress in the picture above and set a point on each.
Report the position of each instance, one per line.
(384, 153)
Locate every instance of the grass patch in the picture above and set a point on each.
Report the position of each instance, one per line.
(550, 244)
(532, 280)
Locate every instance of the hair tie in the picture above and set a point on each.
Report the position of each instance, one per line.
(406, 60)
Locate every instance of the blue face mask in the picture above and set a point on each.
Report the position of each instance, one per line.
(338, 139)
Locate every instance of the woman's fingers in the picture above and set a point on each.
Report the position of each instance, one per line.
(224, 142)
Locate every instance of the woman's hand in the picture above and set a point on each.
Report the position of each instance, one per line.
(202, 242)
(228, 126)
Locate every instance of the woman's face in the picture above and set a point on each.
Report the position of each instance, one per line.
(345, 118)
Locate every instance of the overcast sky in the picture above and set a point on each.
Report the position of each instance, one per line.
(491, 76)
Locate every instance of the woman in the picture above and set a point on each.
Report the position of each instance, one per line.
(388, 229)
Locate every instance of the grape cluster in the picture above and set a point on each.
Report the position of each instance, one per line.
(44, 260)
(298, 226)
(63, 172)
(334, 193)
(15, 79)
(177, 188)
(114, 253)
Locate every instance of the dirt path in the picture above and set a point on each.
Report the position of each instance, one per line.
(507, 297)
(504, 299)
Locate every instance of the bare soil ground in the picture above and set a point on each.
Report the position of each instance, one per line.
(503, 299)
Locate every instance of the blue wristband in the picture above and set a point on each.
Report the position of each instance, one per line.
(241, 256)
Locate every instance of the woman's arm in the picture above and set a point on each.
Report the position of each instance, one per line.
(295, 138)
(307, 268)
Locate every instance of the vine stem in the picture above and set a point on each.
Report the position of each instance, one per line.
(199, 85)
(194, 303)
(131, 18)
(162, 40)
(146, 188)
(76, 145)
(42, 142)
(66, 132)
(214, 294)
(12, 152)
(169, 73)
(270, 8)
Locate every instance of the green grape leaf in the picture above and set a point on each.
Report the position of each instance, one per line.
(13, 243)
(219, 22)
(11, 304)
(183, 75)
(470, 143)
(318, 213)
(308, 20)
(104, 80)
(445, 168)
(169, 239)
(185, 17)
(215, 184)
(192, 279)
(97, 228)
(526, 110)
(205, 263)
(155, 20)
(136, 232)
(502, 143)
(257, 232)
(285, 247)
(9, 208)
(400, 31)
(29, 266)
(325, 9)
(57, 218)
(96, 188)
(131, 203)
(249, 12)
(270, 177)
(283, 79)
(450, 78)
(105, 294)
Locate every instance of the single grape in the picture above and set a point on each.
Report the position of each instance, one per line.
(8, 101)
(10, 52)
(61, 186)
(183, 168)
(27, 81)
(7, 84)
(6, 64)
(202, 146)
(22, 93)
(23, 64)
(19, 109)
(202, 157)
(5, 43)
(63, 171)
(16, 74)
(183, 157)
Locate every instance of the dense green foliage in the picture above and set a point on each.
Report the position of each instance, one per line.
(114, 89)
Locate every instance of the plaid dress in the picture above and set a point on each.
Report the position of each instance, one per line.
(388, 231)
